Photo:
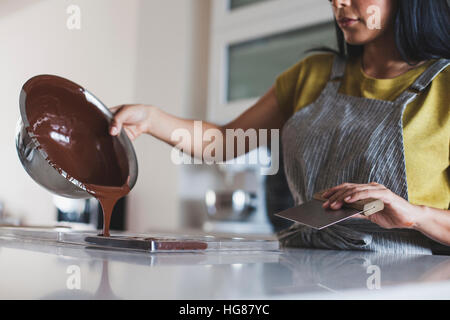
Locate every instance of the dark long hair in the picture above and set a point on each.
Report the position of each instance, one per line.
(422, 32)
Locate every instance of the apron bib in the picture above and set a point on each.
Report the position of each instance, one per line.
(339, 139)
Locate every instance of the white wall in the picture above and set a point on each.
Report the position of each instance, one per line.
(126, 51)
(172, 74)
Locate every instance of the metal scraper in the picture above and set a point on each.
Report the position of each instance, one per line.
(314, 215)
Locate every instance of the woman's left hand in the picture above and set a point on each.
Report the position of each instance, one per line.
(397, 212)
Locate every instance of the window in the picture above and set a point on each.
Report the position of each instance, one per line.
(252, 44)
(254, 64)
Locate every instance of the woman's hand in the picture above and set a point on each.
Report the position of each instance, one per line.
(134, 119)
(397, 212)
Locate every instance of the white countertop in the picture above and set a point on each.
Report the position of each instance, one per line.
(40, 271)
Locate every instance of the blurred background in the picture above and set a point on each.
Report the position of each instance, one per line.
(202, 59)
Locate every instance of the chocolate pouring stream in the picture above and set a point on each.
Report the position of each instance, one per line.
(74, 135)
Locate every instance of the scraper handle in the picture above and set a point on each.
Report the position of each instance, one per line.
(368, 206)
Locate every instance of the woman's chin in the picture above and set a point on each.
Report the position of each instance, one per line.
(355, 40)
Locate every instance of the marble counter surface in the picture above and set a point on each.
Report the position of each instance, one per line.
(47, 271)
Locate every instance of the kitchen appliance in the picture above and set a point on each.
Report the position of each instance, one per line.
(238, 204)
(86, 214)
(83, 211)
(34, 159)
(6, 219)
(314, 215)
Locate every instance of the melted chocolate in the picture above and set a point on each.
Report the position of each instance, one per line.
(74, 135)
(149, 244)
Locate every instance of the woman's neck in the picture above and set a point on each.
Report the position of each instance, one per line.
(381, 58)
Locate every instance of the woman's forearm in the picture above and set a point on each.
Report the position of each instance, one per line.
(434, 223)
(192, 137)
(163, 126)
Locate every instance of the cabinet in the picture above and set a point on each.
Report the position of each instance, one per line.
(253, 41)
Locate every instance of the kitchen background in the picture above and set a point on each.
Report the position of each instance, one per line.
(203, 59)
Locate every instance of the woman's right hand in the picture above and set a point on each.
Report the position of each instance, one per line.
(138, 119)
(133, 118)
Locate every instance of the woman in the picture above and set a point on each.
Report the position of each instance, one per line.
(371, 121)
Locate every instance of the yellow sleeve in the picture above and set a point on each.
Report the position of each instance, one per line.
(285, 88)
(302, 84)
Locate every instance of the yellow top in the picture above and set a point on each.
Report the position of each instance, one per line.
(426, 121)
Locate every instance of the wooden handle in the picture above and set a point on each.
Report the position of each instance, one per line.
(369, 206)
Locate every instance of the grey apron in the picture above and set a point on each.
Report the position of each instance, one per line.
(339, 139)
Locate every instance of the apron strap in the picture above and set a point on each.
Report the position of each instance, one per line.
(422, 82)
(338, 69)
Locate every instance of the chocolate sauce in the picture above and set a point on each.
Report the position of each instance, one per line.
(74, 134)
(108, 197)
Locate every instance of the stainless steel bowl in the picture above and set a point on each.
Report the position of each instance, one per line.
(34, 161)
